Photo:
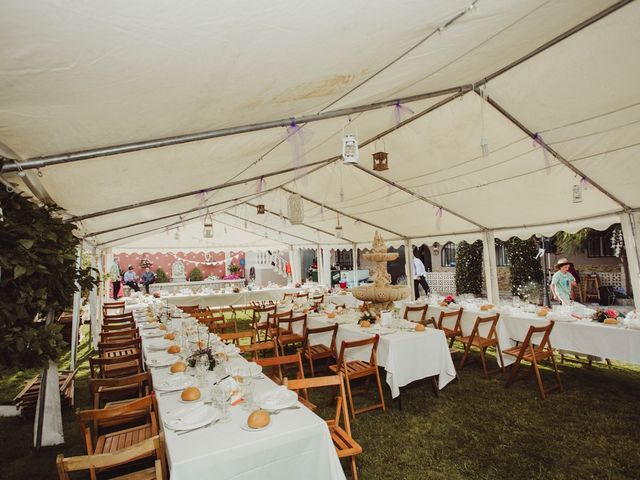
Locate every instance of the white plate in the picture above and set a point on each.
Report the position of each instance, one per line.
(161, 362)
(191, 402)
(150, 325)
(160, 345)
(247, 428)
(153, 334)
(256, 369)
(288, 399)
(173, 383)
(200, 419)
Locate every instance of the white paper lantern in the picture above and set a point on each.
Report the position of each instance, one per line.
(207, 231)
(295, 209)
(339, 231)
(350, 154)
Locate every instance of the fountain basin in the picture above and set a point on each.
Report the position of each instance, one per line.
(384, 295)
(380, 257)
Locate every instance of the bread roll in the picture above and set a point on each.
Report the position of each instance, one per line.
(178, 367)
(259, 419)
(611, 321)
(173, 349)
(170, 336)
(543, 312)
(365, 324)
(190, 394)
(162, 327)
(420, 327)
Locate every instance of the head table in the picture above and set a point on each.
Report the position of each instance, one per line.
(577, 335)
(296, 445)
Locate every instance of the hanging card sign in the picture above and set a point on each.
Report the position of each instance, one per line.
(577, 193)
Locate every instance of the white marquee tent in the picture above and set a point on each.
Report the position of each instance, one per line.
(135, 117)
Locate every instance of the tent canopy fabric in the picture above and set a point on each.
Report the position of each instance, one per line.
(548, 88)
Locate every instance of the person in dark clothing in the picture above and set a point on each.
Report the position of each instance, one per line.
(130, 278)
(147, 277)
(419, 276)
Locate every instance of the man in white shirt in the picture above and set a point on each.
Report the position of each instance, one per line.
(419, 274)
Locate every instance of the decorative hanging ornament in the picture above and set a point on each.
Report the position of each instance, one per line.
(350, 153)
(260, 208)
(339, 232)
(381, 158)
(177, 234)
(207, 231)
(577, 193)
(295, 209)
(436, 249)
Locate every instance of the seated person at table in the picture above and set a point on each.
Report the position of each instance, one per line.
(130, 278)
(147, 278)
(563, 282)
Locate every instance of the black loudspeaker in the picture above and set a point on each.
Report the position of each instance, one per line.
(607, 295)
(549, 244)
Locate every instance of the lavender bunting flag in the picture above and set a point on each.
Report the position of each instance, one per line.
(296, 138)
(261, 184)
(539, 142)
(584, 183)
(401, 113)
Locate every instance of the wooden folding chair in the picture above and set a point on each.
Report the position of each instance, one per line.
(284, 331)
(345, 445)
(118, 326)
(106, 391)
(112, 308)
(319, 351)
(124, 334)
(482, 343)
(27, 399)
(257, 322)
(115, 366)
(189, 308)
(92, 423)
(352, 370)
(417, 314)
(450, 331)
(288, 295)
(278, 371)
(317, 299)
(272, 320)
(534, 353)
(303, 295)
(116, 317)
(151, 447)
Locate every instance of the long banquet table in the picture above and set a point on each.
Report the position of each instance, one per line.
(225, 299)
(582, 336)
(406, 356)
(296, 445)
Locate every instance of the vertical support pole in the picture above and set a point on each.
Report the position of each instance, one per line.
(354, 253)
(629, 225)
(408, 267)
(490, 268)
(319, 264)
(93, 302)
(326, 266)
(294, 260)
(75, 325)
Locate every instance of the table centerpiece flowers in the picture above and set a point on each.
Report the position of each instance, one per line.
(367, 317)
(609, 316)
(448, 300)
(191, 359)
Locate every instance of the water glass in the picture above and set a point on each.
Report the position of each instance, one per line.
(202, 367)
(220, 396)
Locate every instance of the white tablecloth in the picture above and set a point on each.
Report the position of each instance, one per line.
(297, 445)
(582, 336)
(348, 300)
(406, 356)
(226, 299)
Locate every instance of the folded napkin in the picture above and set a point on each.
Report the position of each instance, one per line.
(279, 397)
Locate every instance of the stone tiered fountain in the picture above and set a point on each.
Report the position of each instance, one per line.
(381, 294)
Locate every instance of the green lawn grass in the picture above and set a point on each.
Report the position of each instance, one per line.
(474, 429)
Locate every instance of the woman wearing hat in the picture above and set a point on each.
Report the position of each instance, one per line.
(563, 282)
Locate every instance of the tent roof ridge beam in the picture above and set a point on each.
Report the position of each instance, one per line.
(145, 203)
(420, 197)
(49, 160)
(303, 224)
(341, 213)
(575, 29)
(551, 150)
(267, 227)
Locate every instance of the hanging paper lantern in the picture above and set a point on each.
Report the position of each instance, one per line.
(261, 209)
(339, 229)
(380, 161)
(295, 209)
(207, 231)
(350, 154)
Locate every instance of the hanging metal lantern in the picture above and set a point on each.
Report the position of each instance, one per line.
(380, 161)
(261, 209)
(350, 153)
(295, 209)
(339, 232)
(436, 249)
(207, 231)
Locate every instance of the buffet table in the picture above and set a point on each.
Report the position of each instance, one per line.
(296, 445)
(406, 356)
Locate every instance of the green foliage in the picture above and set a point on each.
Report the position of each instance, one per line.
(524, 267)
(38, 261)
(161, 275)
(196, 275)
(233, 268)
(572, 243)
(469, 267)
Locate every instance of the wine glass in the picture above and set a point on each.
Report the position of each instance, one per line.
(202, 366)
(220, 395)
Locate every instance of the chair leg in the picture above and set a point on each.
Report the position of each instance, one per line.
(467, 347)
(384, 409)
(451, 341)
(538, 378)
(484, 363)
(354, 468)
(311, 366)
(434, 385)
(500, 356)
(514, 373)
(348, 384)
(555, 369)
